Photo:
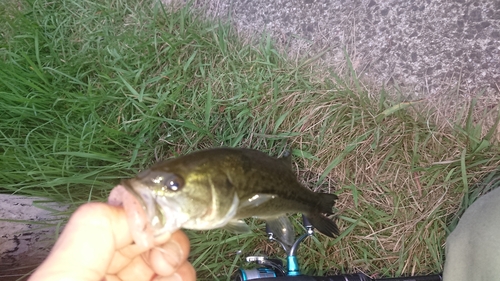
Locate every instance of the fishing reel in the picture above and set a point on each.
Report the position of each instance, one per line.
(269, 269)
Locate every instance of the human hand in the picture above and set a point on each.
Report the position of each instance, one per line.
(96, 245)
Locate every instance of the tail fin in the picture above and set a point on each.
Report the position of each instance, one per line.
(326, 202)
(324, 225)
(319, 221)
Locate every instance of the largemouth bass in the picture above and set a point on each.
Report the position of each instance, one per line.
(217, 188)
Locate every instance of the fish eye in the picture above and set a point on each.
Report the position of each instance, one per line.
(171, 182)
(173, 185)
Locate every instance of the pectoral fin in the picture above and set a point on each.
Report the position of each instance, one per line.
(237, 226)
(282, 229)
(256, 200)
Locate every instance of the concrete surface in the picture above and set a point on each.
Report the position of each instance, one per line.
(426, 47)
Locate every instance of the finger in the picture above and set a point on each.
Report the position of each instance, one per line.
(185, 272)
(129, 252)
(166, 258)
(136, 270)
(174, 251)
(85, 248)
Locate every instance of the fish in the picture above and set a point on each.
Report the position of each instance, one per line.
(218, 188)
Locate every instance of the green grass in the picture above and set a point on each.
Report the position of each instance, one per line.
(93, 92)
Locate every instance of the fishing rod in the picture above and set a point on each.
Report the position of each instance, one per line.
(273, 269)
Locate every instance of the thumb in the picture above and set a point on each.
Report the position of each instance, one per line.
(85, 248)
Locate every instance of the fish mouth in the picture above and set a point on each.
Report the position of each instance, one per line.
(131, 190)
(149, 205)
(163, 214)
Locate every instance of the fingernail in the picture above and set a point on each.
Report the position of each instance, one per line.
(173, 277)
(172, 252)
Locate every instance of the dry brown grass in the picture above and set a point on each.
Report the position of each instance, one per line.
(400, 178)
